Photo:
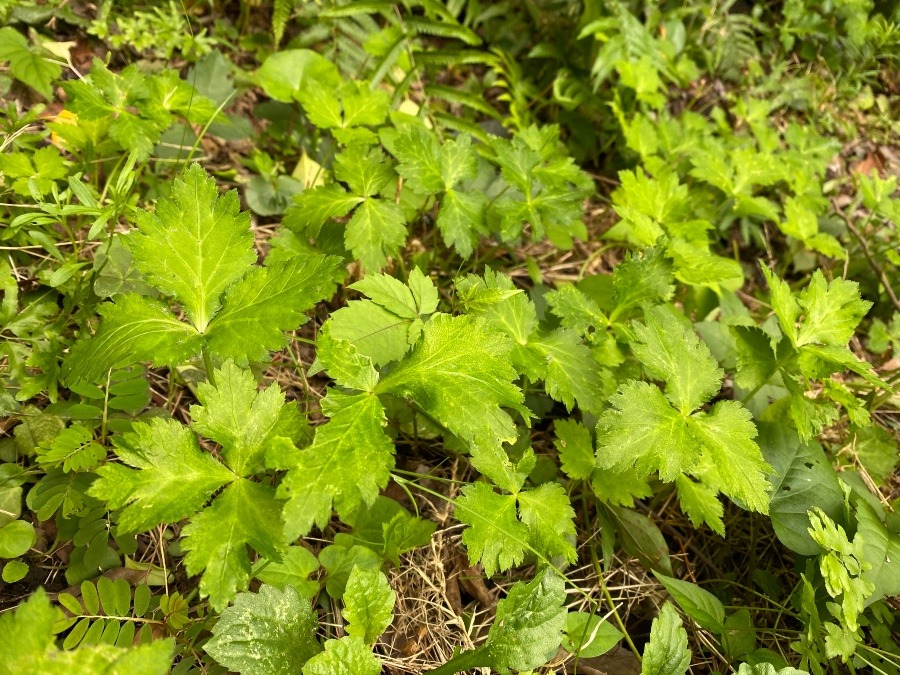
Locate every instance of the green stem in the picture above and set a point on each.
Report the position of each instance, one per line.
(207, 364)
(476, 658)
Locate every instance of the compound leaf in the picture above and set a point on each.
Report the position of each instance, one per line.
(347, 464)
(241, 419)
(268, 301)
(458, 361)
(134, 329)
(494, 535)
(171, 478)
(216, 539)
(195, 245)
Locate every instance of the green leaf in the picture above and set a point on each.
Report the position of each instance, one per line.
(785, 305)
(16, 537)
(313, 208)
(377, 230)
(881, 550)
(375, 332)
(26, 64)
(527, 629)
(667, 652)
(216, 539)
(832, 311)
(461, 219)
(268, 301)
(195, 245)
(702, 606)
(134, 329)
(644, 430)
(576, 309)
(802, 479)
(29, 647)
(575, 448)
(548, 514)
(419, 158)
(74, 449)
(344, 363)
(297, 563)
(494, 535)
(368, 604)
(675, 355)
(270, 632)
(767, 669)
(171, 477)
(589, 636)
(347, 656)
(460, 360)
(701, 504)
(286, 73)
(568, 369)
(756, 362)
(726, 434)
(644, 279)
(242, 420)
(14, 571)
(419, 298)
(347, 464)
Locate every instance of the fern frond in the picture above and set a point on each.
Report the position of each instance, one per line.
(462, 98)
(444, 30)
(281, 12)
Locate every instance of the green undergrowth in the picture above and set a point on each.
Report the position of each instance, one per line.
(295, 293)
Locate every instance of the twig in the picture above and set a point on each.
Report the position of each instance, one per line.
(872, 262)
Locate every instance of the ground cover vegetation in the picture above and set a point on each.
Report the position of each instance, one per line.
(450, 336)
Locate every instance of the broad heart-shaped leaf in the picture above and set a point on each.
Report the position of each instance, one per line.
(494, 535)
(767, 669)
(368, 604)
(134, 329)
(28, 646)
(376, 230)
(272, 632)
(347, 656)
(802, 479)
(460, 374)
(348, 462)
(171, 479)
(881, 549)
(701, 605)
(216, 539)
(242, 420)
(527, 629)
(670, 352)
(667, 652)
(268, 301)
(195, 245)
